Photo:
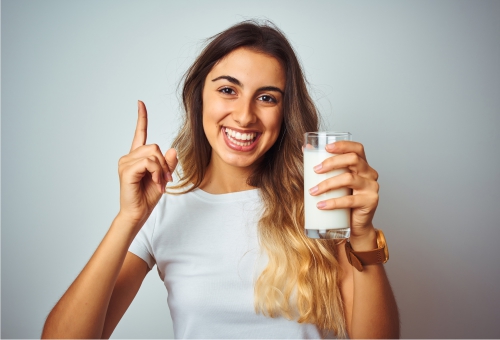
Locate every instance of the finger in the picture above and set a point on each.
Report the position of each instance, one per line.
(147, 151)
(156, 176)
(345, 180)
(369, 201)
(346, 147)
(141, 129)
(351, 161)
(136, 171)
(171, 159)
(161, 180)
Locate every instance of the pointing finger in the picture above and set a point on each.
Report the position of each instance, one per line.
(141, 130)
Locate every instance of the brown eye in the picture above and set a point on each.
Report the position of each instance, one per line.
(267, 99)
(227, 90)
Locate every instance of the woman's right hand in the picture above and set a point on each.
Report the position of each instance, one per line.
(144, 173)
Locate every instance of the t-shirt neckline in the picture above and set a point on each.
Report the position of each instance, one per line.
(229, 197)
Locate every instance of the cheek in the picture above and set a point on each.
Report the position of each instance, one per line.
(213, 111)
(275, 124)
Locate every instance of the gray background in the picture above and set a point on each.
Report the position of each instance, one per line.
(418, 82)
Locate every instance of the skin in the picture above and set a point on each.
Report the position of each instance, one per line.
(243, 91)
(371, 310)
(244, 102)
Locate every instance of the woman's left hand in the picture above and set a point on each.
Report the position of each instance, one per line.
(361, 178)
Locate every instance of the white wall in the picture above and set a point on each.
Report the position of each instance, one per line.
(418, 82)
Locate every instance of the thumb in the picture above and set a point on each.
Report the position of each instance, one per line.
(171, 159)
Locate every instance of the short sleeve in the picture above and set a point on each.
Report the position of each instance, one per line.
(142, 243)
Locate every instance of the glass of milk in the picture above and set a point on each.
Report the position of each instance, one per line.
(328, 224)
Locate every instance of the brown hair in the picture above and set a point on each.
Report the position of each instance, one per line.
(302, 276)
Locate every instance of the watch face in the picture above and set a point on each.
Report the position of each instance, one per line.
(381, 243)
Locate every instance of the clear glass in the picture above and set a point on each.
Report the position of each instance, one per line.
(328, 224)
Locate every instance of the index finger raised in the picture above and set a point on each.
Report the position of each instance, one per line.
(141, 130)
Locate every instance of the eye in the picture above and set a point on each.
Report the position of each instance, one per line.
(227, 90)
(267, 99)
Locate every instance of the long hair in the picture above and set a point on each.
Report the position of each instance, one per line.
(301, 280)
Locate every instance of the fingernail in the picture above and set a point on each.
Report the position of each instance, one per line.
(321, 205)
(330, 147)
(318, 167)
(313, 190)
(170, 178)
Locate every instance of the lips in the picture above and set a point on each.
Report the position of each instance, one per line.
(240, 140)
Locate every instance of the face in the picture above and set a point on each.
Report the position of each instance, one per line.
(242, 107)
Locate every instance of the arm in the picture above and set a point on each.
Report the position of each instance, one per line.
(101, 293)
(370, 306)
(127, 285)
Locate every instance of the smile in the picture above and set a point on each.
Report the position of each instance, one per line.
(240, 141)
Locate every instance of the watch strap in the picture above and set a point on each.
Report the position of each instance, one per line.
(358, 259)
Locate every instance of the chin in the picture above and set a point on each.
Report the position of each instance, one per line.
(239, 161)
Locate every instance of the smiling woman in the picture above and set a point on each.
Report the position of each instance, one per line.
(228, 238)
(242, 113)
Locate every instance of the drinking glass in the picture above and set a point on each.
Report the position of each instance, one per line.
(327, 224)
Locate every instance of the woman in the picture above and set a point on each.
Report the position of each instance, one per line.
(228, 238)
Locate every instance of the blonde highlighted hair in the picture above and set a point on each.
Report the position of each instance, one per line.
(301, 280)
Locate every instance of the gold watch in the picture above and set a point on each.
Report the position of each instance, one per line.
(358, 259)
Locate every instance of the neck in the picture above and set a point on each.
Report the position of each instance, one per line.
(221, 178)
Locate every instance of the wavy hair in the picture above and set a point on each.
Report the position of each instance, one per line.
(301, 280)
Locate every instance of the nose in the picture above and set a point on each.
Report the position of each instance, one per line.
(244, 113)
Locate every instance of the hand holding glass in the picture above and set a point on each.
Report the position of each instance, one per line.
(329, 224)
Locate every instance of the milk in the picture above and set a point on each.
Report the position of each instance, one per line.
(316, 218)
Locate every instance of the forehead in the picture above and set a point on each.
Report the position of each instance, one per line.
(250, 68)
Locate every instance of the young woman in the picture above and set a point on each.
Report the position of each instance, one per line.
(228, 239)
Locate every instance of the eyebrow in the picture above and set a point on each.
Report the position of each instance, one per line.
(238, 83)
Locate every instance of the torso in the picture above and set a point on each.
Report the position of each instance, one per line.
(207, 253)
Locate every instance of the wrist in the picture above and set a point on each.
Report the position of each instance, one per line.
(366, 241)
(126, 225)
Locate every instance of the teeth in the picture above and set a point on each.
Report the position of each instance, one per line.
(239, 138)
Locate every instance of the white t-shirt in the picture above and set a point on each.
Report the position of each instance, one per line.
(207, 253)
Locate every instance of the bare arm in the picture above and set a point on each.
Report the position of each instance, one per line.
(370, 306)
(102, 292)
(93, 300)
(127, 285)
